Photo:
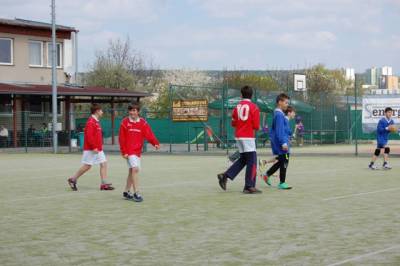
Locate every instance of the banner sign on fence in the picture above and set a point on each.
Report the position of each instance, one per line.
(189, 110)
(374, 109)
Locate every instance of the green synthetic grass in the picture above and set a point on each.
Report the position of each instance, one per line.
(338, 212)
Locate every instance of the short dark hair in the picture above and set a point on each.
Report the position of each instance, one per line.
(388, 109)
(282, 97)
(94, 108)
(134, 105)
(289, 109)
(247, 92)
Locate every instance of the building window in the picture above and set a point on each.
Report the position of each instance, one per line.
(58, 55)
(35, 53)
(6, 105)
(36, 107)
(59, 108)
(6, 51)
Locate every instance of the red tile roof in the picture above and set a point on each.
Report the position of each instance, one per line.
(32, 89)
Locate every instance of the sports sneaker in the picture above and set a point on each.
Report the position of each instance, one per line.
(373, 167)
(267, 180)
(137, 197)
(127, 195)
(386, 166)
(251, 190)
(222, 180)
(72, 184)
(284, 186)
(106, 187)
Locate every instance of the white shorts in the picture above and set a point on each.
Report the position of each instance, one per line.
(91, 158)
(246, 145)
(133, 161)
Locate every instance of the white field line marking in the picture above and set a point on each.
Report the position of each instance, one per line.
(31, 169)
(363, 256)
(75, 194)
(59, 177)
(14, 171)
(79, 193)
(361, 194)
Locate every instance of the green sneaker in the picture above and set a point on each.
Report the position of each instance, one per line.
(284, 186)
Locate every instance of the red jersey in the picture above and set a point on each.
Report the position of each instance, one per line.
(132, 135)
(245, 119)
(93, 135)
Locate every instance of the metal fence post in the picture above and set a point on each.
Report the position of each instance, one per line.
(188, 138)
(25, 132)
(144, 112)
(335, 120)
(170, 117)
(355, 113)
(320, 117)
(205, 137)
(311, 127)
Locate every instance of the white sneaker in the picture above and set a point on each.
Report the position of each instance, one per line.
(386, 166)
(373, 167)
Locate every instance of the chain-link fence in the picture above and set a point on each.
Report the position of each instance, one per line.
(332, 124)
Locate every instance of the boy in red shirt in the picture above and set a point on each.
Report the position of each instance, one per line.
(245, 120)
(92, 150)
(132, 133)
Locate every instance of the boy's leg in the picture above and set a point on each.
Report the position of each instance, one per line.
(73, 179)
(100, 158)
(386, 158)
(273, 168)
(83, 169)
(103, 175)
(129, 184)
(129, 180)
(377, 152)
(235, 168)
(88, 159)
(386, 154)
(375, 156)
(135, 184)
(284, 163)
(251, 169)
(103, 172)
(135, 180)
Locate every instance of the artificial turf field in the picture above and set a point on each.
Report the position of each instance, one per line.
(339, 213)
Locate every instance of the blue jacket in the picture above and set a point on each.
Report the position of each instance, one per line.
(279, 132)
(288, 129)
(382, 135)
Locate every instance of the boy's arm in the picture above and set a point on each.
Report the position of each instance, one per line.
(89, 129)
(280, 130)
(381, 127)
(234, 117)
(256, 119)
(122, 138)
(150, 137)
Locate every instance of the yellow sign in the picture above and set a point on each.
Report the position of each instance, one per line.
(189, 110)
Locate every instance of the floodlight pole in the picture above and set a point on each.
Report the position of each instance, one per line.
(54, 74)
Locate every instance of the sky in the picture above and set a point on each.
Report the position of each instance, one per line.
(232, 34)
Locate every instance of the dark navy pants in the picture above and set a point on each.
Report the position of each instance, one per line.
(248, 159)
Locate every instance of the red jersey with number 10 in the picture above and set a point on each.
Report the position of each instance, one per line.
(245, 119)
